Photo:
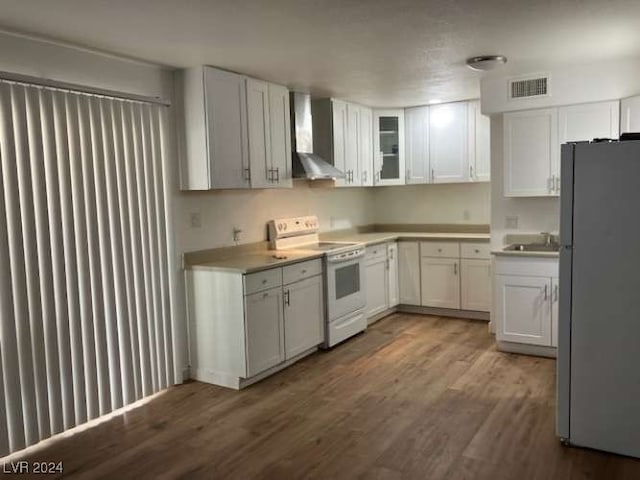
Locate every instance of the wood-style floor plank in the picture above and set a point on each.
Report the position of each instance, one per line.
(415, 397)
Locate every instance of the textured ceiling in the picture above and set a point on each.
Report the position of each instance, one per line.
(378, 52)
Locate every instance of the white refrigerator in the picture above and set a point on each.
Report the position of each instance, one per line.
(599, 311)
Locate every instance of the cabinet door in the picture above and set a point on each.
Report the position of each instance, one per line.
(303, 316)
(555, 297)
(480, 137)
(449, 142)
(417, 144)
(339, 114)
(353, 145)
(475, 291)
(583, 123)
(523, 309)
(392, 274)
(262, 174)
(226, 115)
(630, 115)
(409, 272)
(389, 147)
(376, 287)
(440, 282)
(366, 146)
(280, 123)
(264, 330)
(530, 151)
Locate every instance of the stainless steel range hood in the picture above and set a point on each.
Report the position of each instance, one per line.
(307, 164)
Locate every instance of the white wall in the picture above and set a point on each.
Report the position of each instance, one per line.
(535, 215)
(568, 84)
(465, 203)
(249, 210)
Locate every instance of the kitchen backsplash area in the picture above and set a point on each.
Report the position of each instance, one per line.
(208, 219)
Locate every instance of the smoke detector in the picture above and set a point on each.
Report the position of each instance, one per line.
(486, 62)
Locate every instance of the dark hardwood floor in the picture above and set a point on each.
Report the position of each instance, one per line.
(415, 397)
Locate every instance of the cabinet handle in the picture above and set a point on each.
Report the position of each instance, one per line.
(551, 183)
(287, 298)
(545, 293)
(364, 176)
(555, 293)
(440, 250)
(471, 172)
(247, 174)
(557, 184)
(455, 268)
(432, 176)
(264, 280)
(265, 295)
(277, 174)
(477, 251)
(304, 271)
(408, 174)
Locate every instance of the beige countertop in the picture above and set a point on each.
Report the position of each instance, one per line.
(255, 257)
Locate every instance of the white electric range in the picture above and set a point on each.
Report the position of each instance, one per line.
(343, 274)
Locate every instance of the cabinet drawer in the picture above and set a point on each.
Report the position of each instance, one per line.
(475, 250)
(375, 252)
(440, 249)
(300, 271)
(256, 282)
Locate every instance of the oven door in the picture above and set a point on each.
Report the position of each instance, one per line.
(345, 287)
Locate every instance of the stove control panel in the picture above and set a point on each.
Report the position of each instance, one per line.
(290, 227)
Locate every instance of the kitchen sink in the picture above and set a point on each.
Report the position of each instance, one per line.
(533, 247)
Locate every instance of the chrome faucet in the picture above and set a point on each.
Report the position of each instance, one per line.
(547, 238)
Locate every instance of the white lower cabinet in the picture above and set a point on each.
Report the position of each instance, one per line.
(409, 273)
(303, 315)
(440, 282)
(377, 282)
(555, 292)
(523, 310)
(475, 288)
(392, 266)
(526, 300)
(242, 327)
(264, 330)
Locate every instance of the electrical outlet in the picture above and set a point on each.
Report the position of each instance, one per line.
(196, 220)
(466, 215)
(511, 221)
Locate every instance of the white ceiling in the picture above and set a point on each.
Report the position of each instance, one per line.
(378, 52)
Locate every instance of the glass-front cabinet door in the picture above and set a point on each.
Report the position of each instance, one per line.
(389, 147)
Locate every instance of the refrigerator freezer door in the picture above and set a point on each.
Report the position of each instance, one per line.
(605, 316)
(564, 307)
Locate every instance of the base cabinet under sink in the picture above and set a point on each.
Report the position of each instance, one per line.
(526, 303)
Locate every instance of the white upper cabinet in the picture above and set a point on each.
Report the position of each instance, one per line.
(449, 142)
(262, 174)
(236, 133)
(280, 130)
(417, 144)
(269, 135)
(365, 156)
(388, 149)
(532, 140)
(480, 146)
(215, 130)
(339, 116)
(630, 115)
(353, 145)
(530, 152)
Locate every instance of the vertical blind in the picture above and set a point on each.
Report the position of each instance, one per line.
(85, 317)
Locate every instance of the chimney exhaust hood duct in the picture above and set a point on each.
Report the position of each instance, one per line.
(307, 164)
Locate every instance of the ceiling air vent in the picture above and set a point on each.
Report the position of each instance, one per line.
(529, 87)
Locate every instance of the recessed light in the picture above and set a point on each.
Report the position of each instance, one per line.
(434, 101)
(486, 62)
